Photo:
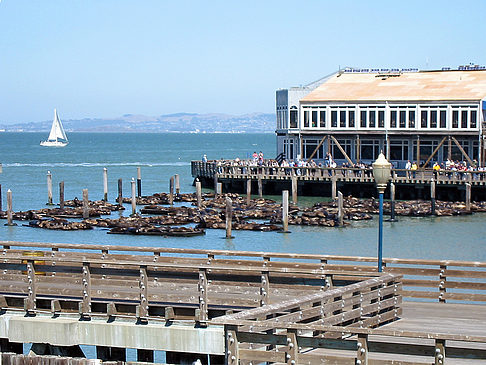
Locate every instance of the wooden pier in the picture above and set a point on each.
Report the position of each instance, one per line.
(323, 181)
(237, 307)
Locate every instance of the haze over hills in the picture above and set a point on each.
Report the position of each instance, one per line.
(180, 122)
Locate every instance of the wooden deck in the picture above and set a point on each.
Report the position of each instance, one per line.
(275, 307)
(321, 181)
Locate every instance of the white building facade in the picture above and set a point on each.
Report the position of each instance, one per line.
(422, 116)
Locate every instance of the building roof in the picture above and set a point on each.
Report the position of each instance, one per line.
(416, 86)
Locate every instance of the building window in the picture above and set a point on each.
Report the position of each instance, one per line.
(443, 119)
(322, 119)
(294, 114)
(342, 118)
(411, 118)
(363, 119)
(288, 148)
(426, 149)
(473, 119)
(370, 149)
(433, 119)
(381, 119)
(393, 119)
(306, 119)
(423, 119)
(403, 118)
(310, 146)
(336, 152)
(314, 118)
(334, 118)
(463, 118)
(398, 150)
(372, 119)
(455, 119)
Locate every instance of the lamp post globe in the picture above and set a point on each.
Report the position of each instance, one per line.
(381, 174)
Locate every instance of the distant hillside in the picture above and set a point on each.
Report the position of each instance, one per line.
(180, 122)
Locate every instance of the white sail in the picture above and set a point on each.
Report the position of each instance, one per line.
(57, 136)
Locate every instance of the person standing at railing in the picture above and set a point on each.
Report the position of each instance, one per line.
(408, 167)
(436, 169)
(205, 158)
(414, 168)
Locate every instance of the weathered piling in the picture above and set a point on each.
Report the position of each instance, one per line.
(177, 184)
(248, 191)
(198, 194)
(105, 184)
(219, 188)
(85, 204)
(61, 195)
(340, 208)
(139, 182)
(171, 191)
(334, 186)
(468, 197)
(260, 187)
(392, 201)
(432, 196)
(120, 191)
(285, 210)
(9, 208)
(134, 198)
(294, 189)
(49, 188)
(229, 216)
(215, 180)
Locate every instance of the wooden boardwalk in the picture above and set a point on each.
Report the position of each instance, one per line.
(264, 306)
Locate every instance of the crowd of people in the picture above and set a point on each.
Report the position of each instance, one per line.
(449, 168)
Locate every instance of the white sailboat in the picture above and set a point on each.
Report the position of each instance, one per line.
(57, 136)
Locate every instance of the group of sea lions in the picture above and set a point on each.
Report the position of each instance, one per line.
(156, 218)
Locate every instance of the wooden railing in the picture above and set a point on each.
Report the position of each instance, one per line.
(234, 171)
(432, 280)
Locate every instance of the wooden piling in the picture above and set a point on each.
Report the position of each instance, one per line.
(294, 189)
(61, 195)
(85, 204)
(248, 191)
(139, 182)
(215, 183)
(340, 209)
(468, 197)
(285, 210)
(177, 184)
(334, 186)
(229, 216)
(105, 184)
(134, 198)
(260, 187)
(9, 208)
(219, 188)
(392, 201)
(49, 188)
(120, 191)
(171, 191)
(198, 194)
(432, 196)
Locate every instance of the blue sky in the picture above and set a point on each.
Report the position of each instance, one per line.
(105, 58)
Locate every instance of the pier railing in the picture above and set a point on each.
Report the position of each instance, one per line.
(260, 277)
(231, 170)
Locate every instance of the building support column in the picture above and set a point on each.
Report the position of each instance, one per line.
(358, 149)
(387, 148)
(418, 151)
(449, 149)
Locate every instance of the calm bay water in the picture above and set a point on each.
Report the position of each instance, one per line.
(80, 165)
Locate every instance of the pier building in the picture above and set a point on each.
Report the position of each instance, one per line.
(353, 114)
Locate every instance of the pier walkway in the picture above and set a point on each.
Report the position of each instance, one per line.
(237, 307)
(323, 181)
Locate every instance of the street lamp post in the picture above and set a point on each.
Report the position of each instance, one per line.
(381, 173)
